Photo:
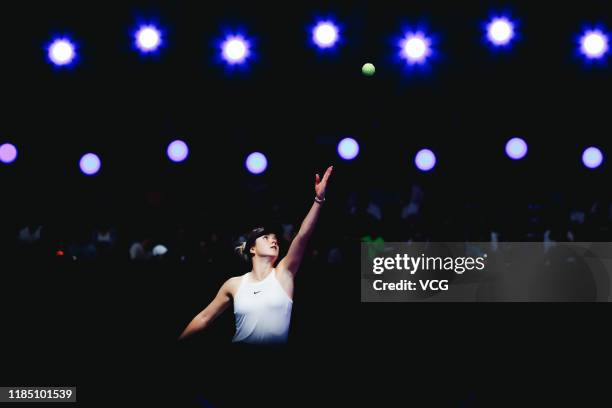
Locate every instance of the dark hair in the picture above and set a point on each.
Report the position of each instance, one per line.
(244, 250)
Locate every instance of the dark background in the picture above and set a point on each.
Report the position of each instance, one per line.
(106, 321)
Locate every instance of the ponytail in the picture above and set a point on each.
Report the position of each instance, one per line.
(242, 251)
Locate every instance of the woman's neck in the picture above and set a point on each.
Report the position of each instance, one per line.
(262, 267)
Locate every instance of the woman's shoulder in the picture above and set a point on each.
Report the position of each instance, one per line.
(232, 284)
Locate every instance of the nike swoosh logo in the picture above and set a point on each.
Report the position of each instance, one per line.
(256, 292)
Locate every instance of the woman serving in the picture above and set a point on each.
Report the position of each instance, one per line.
(263, 297)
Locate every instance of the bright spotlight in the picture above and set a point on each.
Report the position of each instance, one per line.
(516, 148)
(425, 160)
(415, 48)
(592, 157)
(235, 49)
(594, 44)
(325, 34)
(500, 31)
(61, 52)
(177, 151)
(89, 164)
(148, 39)
(256, 163)
(8, 153)
(348, 148)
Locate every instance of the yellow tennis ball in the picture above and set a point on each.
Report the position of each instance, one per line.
(368, 69)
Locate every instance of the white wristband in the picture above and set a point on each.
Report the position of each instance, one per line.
(319, 200)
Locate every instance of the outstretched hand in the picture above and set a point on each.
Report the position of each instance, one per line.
(291, 262)
(321, 184)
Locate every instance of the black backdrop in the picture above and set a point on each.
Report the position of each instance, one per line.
(101, 325)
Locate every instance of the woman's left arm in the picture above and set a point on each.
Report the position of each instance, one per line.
(291, 262)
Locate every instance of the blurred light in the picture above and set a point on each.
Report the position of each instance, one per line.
(348, 148)
(61, 52)
(594, 44)
(89, 164)
(256, 163)
(235, 49)
(592, 157)
(325, 34)
(8, 153)
(516, 148)
(415, 48)
(177, 151)
(500, 31)
(425, 160)
(159, 250)
(148, 38)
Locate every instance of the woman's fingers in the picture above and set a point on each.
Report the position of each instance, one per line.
(323, 181)
(327, 173)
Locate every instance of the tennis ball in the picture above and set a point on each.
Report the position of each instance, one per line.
(368, 69)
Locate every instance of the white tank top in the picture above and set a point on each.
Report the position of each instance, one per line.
(262, 310)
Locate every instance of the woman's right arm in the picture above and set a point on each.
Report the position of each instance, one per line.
(214, 309)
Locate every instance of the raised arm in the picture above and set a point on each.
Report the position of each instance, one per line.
(291, 262)
(214, 309)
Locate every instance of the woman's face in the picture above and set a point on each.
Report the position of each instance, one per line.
(266, 245)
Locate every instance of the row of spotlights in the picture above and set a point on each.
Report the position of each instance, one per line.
(415, 46)
(348, 149)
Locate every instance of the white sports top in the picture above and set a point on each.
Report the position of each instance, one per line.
(262, 310)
